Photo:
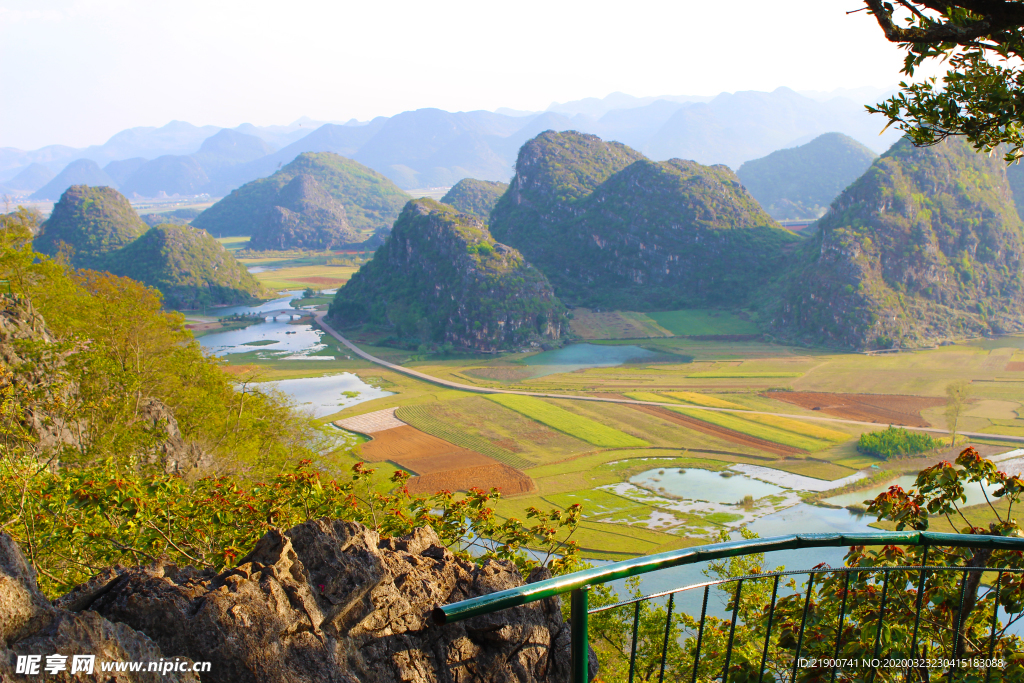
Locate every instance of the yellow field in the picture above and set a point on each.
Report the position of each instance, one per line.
(301, 277)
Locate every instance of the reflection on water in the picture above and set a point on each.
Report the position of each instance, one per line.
(583, 356)
(698, 484)
(287, 340)
(326, 395)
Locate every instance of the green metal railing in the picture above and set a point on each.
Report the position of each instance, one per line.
(578, 583)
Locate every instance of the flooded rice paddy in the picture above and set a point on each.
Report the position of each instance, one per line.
(584, 356)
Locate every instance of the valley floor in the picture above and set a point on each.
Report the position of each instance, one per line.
(660, 471)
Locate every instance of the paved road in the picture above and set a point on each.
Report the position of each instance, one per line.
(595, 399)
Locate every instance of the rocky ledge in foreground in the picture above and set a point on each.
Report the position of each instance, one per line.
(325, 601)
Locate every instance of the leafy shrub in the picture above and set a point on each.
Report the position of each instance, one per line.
(74, 522)
(895, 442)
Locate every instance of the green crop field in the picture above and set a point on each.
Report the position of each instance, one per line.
(761, 431)
(702, 400)
(569, 423)
(702, 323)
(797, 427)
(421, 418)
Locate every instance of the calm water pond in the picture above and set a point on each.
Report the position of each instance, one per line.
(273, 339)
(582, 356)
(698, 484)
(326, 395)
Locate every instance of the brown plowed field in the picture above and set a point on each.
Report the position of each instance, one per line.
(320, 280)
(506, 479)
(440, 465)
(1015, 366)
(881, 408)
(714, 430)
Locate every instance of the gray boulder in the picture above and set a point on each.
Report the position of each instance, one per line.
(31, 626)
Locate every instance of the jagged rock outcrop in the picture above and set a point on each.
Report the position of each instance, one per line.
(441, 278)
(925, 247)
(31, 625)
(326, 601)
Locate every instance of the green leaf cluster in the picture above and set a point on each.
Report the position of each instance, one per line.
(895, 442)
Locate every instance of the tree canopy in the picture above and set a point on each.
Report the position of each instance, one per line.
(981, 95)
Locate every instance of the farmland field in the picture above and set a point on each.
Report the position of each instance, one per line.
(567, 422)
(761, 431)
(552, 453)
(905, 410)
(704, 323)
(615, 325)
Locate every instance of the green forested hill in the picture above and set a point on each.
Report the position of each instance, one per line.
(92, 221)
(553, 171)
(611, 228)
(189, 267)
(370, 200)
(801, 182)
(304, 216)
(925, 246)
(441, 278)
(476, 197)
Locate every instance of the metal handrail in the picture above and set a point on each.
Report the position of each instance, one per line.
(578, 583)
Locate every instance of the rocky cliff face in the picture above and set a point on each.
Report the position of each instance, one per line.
(611, 228)
(92, 221)
(441, 277)
(326, 601)
(926, 246)
(31, 626)
(304, 216)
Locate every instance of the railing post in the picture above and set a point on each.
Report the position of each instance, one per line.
(580, 646)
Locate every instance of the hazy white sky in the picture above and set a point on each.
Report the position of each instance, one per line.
(76, 71)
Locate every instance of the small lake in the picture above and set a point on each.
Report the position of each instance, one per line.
(973, 492)
(273, 339)
(326, 395)
(698, 484)
(582, 356)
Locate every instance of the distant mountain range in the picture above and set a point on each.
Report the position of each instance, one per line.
(435, 148)
(800, 182)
